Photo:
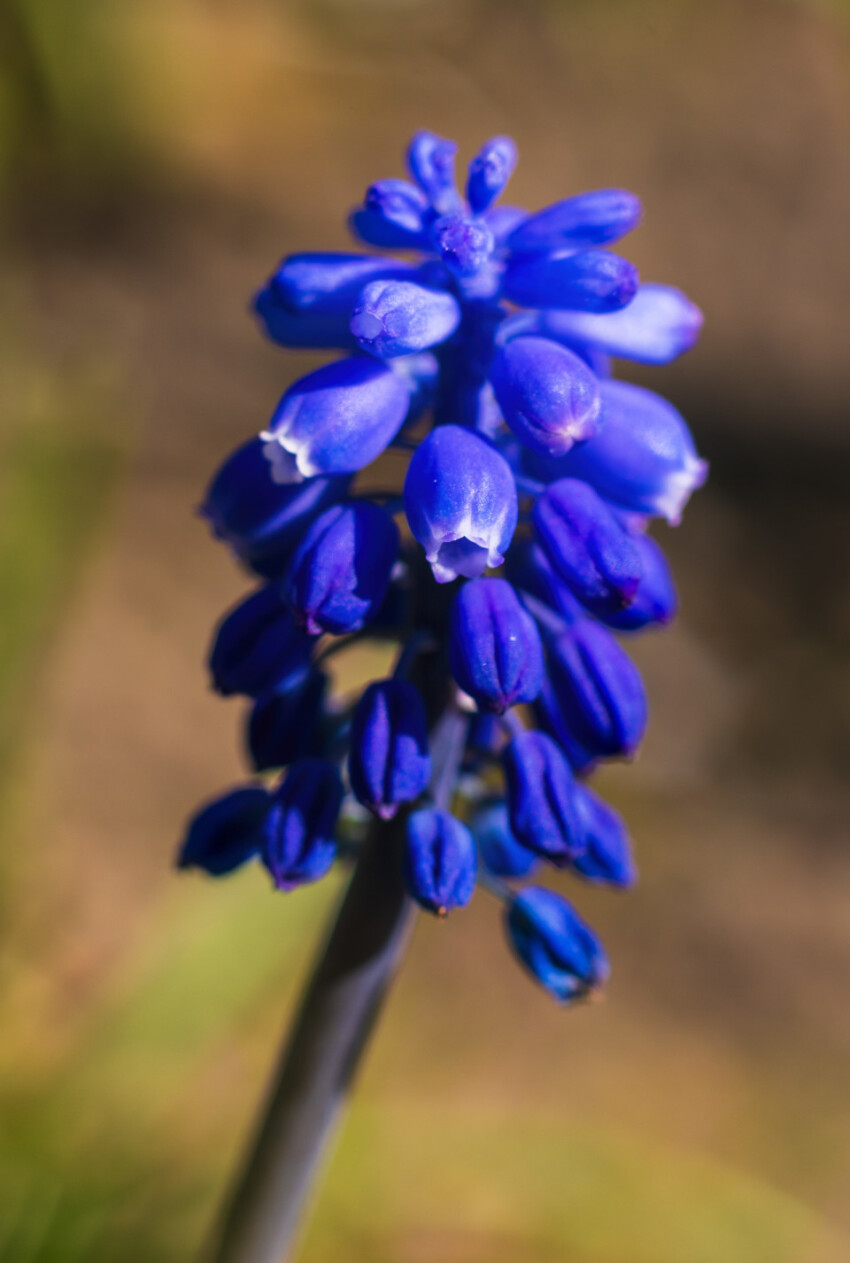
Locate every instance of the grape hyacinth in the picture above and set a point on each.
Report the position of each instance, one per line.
(483, 351)
(479, 349)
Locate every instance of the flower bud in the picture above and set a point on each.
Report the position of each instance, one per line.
(548, 715)
(655, 601)
(227, 832)
(286, 725)
(336, 420)
(643, 458)
(587, 280)
(554, 944)
(598, 690)
(300, 328)
(257, 647)
(299, 835)
(494, 647)
(607, 859)
(339, 575)
(489, 172)
(501, 853)
(393, 216)
(399, 318)
(327, 284)
(657, 326)
(465, 245)
(548, 396)
(590, 219)
(431, 161)
(541, 797)
(388, 762)
(461, 504)
(531, 574)
(260, 519)
(440, 861)
(587, 546)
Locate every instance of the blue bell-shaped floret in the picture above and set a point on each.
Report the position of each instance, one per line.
(388, 762)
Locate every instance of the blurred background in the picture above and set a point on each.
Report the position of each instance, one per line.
(157, 157)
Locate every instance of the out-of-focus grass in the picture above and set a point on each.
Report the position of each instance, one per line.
(60, 452)
(138, 1097)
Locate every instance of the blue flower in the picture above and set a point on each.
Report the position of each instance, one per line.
(298, 843)
(482, 357)
(260, 519)
(489, 172)
(226, 833)
(460, 500)
(607, 858)
(589, 219)
(286, 725)
(654, 328)
(587, 546)
(393, 318)
(587, 280)
(494, 646)
(440, 861)
(597, 690)
(548, 396)
(388, 762)
(541, 797)
(554, 944)
(502, 854)
(339, 575)
(336, 420)
(257, 647)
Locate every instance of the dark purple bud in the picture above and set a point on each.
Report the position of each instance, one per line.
(257, 647)
(388, 762)
(657, 326)
(339, 575)
(607, 861)
(431, 161)
(393, 216)
(541, 797)
(501, 853)
(465, 245)
(461, 504)
(494, 646)
(589, 219)
(260, 519)
(548, 714)
(440, 861)
(589, 280)
(227, 832)
(287, 725)
(399, 318)
(336, 420)
(328, 284)
(555, 945)
(299, 834)
(643, 459)
(547, 395)
(489, 172)
(530, 572)
(301, 328)
(587, 546)
(655, 602)
(598, 690)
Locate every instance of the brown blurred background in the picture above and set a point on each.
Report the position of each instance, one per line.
(157, 158)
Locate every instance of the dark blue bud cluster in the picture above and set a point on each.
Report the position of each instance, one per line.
(483, 351)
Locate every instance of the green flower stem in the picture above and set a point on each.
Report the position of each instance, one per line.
(337, 1014)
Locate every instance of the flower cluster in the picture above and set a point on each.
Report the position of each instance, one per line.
(482, 348)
